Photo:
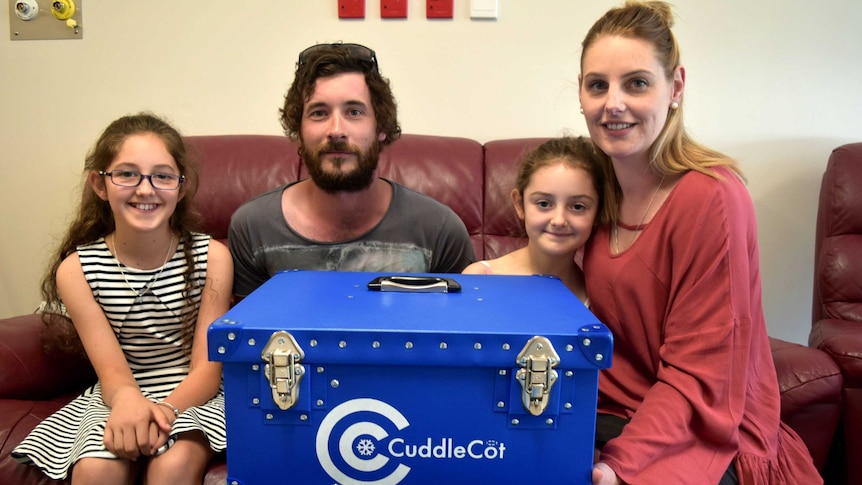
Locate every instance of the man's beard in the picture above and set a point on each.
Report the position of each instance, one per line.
(353, 181)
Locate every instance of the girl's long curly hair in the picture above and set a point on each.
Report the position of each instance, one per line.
(94, 219)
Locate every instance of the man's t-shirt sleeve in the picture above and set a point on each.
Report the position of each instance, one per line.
(454, 250)
(248, 273)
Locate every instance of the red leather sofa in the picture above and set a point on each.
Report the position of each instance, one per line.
(472, 178)
(837, 306)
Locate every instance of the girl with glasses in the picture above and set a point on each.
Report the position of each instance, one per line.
(140, 289)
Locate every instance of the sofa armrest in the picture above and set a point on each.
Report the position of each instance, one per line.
(27, 372)
(810, 385)
(842, 341)
(805, 374)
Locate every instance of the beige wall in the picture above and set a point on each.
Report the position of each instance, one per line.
(771, 82)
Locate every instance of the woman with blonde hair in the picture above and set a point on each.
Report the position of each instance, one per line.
(692, 396)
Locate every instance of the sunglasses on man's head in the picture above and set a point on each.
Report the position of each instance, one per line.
(356, 51)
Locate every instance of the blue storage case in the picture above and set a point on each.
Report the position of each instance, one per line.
(330, 382)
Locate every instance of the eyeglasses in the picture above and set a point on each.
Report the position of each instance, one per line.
(356, 51)
(132, 178)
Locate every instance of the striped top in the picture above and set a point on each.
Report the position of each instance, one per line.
(148, 327)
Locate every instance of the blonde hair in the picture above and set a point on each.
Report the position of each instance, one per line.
(673, 152)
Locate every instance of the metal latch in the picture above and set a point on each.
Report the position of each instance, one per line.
(536, 374)
(284, 369)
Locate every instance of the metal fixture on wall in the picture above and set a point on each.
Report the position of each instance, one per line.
(53, 19)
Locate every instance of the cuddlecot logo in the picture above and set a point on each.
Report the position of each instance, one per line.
(361, 447)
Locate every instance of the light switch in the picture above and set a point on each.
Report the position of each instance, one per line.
(484, 9)
(393, 9)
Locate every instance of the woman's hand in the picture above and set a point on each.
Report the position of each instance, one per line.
(604, 475)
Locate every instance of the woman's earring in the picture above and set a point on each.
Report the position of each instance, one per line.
(582, 110)
(674, 105)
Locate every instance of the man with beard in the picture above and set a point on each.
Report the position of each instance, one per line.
(344, 217)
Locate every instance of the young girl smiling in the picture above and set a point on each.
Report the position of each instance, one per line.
(558, 197)
(140, 288)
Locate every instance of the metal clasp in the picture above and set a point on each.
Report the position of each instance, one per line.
(536, 374)
(283, 369)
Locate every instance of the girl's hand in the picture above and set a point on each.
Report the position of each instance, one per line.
(128, 431)
(604, 475)
(158, 438)
(160, 428)
(165, 417)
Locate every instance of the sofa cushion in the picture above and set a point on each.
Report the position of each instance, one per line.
(27, 372)
(448, 169)
(17, 419)
(840, 276)
(504, 232)
(838, 239)
(235, 168)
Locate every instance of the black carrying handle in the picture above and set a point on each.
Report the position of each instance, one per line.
(414, 284)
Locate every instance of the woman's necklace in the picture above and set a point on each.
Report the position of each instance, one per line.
(643, 219)
(146, 288)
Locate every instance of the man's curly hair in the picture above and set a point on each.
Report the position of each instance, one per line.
(329, 60)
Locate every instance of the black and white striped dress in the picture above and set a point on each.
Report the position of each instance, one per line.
(148, 328)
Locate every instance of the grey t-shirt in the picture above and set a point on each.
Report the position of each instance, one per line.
(417, 235)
